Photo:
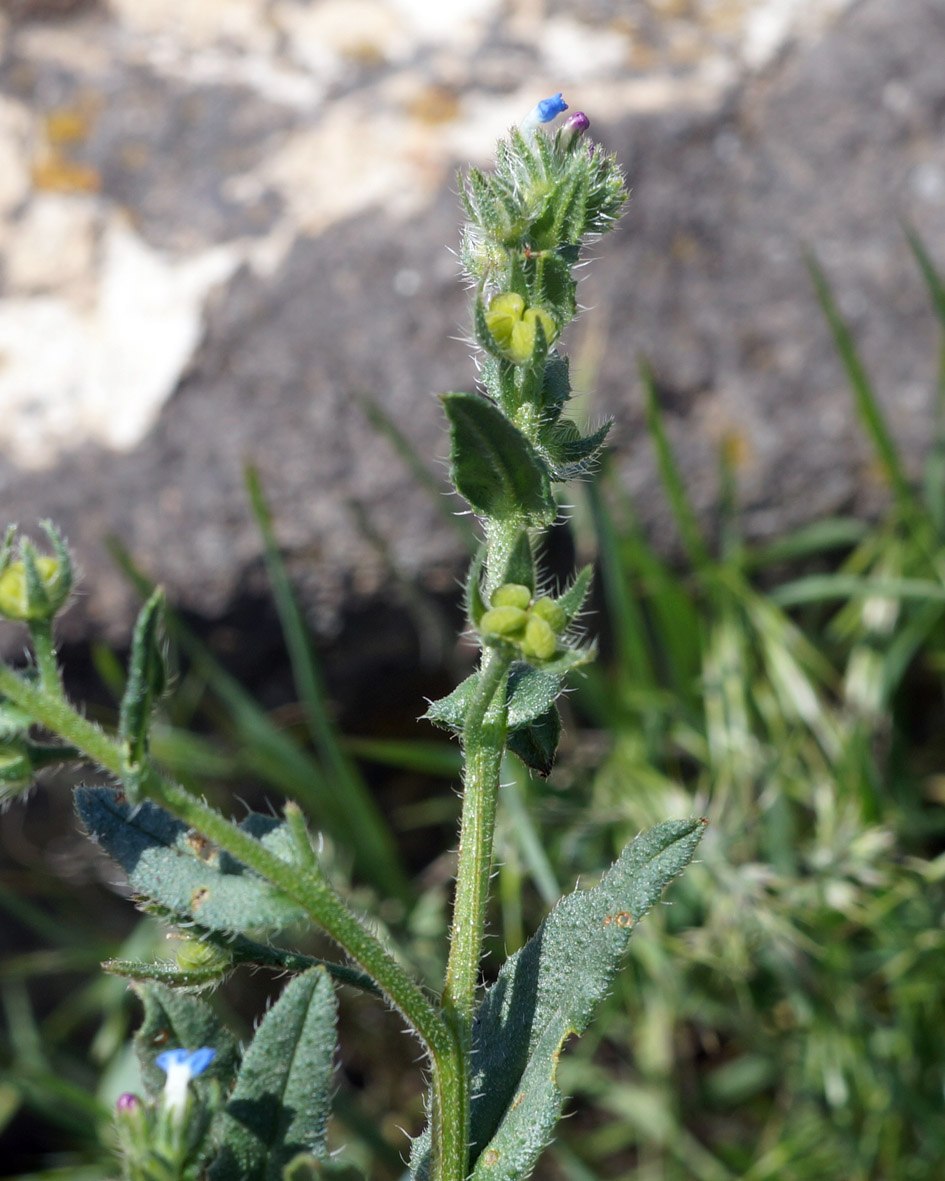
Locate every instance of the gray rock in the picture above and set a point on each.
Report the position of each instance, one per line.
(280, 308)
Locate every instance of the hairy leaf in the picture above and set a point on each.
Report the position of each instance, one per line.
(531, 692)
(493, 465)
(177, 1020)
(282, 1099)
(537, 743)
(549, 990)
(175, 867)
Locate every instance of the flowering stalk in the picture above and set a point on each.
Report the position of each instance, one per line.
(262, 1113)
(526, 225)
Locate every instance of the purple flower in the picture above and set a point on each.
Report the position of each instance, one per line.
(181, 1066)
(544, 112)
(127, 1102)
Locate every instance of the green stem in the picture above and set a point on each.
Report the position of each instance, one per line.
(483, 745)
(310, 891)
(44, 648)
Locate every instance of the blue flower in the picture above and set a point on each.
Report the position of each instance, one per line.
(181, 1066)
(544, 112)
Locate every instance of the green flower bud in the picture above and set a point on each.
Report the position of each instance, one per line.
(16, 769)
(513, 325)
(14, 600)
(522, 343)
(193, 955)
(539, 642)
(505, 622)
(505, 311)
(548, 610)
(36, 586)
(512, 594)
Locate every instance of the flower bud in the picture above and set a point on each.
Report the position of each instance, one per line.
(127, 1102)
(505, 311)
(194, 955)
(16, 769)
(548, 610)
(573, 128)
(36, 586)
(504, 622)
(539, 641)
(512, 594)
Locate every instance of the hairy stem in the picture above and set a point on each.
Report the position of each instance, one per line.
(311, 891)
(483, 744)
(44, 648)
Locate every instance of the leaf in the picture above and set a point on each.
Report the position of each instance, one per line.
(573, 457)
(178, 1020)
(282, 1099)
(519, 562)
(493, 465)
(475, 605)
(537, 743)
(549, 990)
(171, 864)
(146, 677)
(574, 597)
(166, 972)
(530, 693)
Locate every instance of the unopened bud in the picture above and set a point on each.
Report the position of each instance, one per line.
(548, 610)
(511, 594)
(573, 128)
(35, 586)
(539, 640)
(503, 621)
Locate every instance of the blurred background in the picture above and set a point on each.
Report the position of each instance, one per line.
(225, 239)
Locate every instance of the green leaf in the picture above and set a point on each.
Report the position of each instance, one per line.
(574, 597)
(475, 606)
(537, 743)
(519, 563)
(531, 692)
(282, 1099)
(549, 990)
(574, 455)
(494, 466)
(178, 1020)
(169, 863)
(146, 677)
(165, 972)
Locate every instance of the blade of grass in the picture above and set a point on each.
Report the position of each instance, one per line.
(685, 515)
(382, 422)
(935, 463)
(816, 588)
(867, 404)
(346, 783)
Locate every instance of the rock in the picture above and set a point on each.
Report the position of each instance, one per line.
(220, 235)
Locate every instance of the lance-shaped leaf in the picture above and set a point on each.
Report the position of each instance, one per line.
(145, 683)
(571, 453)
(178, 1020)
(282, 1099)
(549, 990)
(175, 867)
(493, 465)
